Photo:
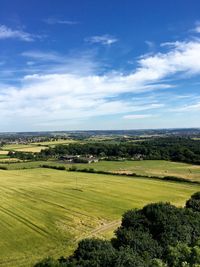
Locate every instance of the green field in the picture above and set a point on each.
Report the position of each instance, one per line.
(159, 168)
(55, 142)
(24, 148)
(35, 147)
(3, 152)
(45, 212)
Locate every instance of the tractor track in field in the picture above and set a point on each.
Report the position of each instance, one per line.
(25, 221)
(101, 229)
(105, 227)
(98, 230)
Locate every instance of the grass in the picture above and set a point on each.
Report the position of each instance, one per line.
(24, 148)
(34, 147)
(159, 168)
(45, 212)
(3, 152)
(25, 164)
(55, 142)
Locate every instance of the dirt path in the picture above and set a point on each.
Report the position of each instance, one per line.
(102, 229)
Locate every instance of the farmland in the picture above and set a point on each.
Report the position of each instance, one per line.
(55, 142)
(24, 148)
(45, 212)
(158, 168)
(34, 147)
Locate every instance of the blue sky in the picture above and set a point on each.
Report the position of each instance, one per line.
(96, 64)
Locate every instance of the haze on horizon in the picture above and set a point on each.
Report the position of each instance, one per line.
(80, 65)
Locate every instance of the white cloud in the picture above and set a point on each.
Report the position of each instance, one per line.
(188, 107)
(102, 39)
(53, 21)
(74, 95)
(197, 27)
(138, 116)
(43, 56)
(8, 33)
(150, 44)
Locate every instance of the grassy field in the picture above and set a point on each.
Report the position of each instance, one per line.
(45, 212)
(34, 147)
(25, 165)
(159, 168)
(56, 142)
(24, 148)
(3, 152)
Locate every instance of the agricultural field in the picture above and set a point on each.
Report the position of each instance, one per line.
(25, 164)
(3, 152)
(159, 168)
(45, 212)
(55, 142)
(24, 148)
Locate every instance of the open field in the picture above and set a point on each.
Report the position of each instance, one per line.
(35, 147)
(3, 152)
(159, 168)
(6, 161)
(26, 165)
(24, 148)
(56, 142)
(45, 212)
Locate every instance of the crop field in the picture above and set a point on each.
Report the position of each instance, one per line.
(3, 152)
(19, 164)
(24, 148)
(44, 212)
(159, 168)
(55, 142)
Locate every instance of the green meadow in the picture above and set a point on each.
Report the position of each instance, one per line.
(24, 148)
(158, 168)
(45, 212)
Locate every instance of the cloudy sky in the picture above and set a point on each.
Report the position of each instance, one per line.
(99, 64)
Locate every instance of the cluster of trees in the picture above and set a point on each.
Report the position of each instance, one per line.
(159, 235)
(174, 148)
(22, 155)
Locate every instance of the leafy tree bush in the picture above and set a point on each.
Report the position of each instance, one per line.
(194, 202)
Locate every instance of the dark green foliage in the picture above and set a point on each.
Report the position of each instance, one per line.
(139, 241)
(126, 257)
(157, 263)
(183, 255)
(194, 202)
(97, 249)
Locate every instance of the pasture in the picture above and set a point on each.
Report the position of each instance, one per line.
(24, 148)
(45, 212)
(3, 152)
(55, 142)
(159, 168)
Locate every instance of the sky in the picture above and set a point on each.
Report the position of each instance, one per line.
(99, 64)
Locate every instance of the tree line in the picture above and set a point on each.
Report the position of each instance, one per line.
(173, 148)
